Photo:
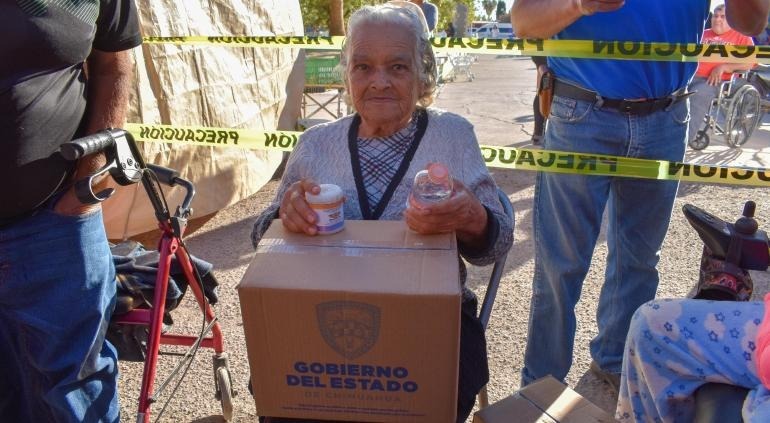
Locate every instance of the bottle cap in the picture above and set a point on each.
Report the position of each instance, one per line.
(437, 172)
(329, 194)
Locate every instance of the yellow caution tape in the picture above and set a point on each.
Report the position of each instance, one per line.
(590, 49)
(315, 43)
(215, 137)
(603, 165)
(498, 157)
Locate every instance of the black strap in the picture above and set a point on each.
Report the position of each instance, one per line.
(634, 107)
(355, 161)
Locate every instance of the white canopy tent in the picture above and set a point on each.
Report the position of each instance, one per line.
(205, 85)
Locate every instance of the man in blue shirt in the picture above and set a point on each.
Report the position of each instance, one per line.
(613, 107)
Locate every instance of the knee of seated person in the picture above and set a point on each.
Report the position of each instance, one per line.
(652, 314)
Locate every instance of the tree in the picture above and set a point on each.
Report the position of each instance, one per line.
(447, 12)
(337, 19)
(460, 19)
(501, 10)
(316, 14)
(489, 7)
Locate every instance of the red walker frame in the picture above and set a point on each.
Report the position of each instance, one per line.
(126, 166)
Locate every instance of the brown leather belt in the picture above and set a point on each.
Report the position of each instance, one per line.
(632, 107)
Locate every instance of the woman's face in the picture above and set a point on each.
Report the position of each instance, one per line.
(382, 77)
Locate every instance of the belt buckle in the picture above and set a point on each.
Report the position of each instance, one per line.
(635, 107)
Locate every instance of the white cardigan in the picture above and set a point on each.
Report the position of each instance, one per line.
(322, 154)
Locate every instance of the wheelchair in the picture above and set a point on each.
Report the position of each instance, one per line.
(736, 110)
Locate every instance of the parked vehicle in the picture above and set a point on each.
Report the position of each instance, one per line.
(495, 30)
(474, 26)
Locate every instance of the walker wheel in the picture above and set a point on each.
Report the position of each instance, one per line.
(700, 141)
(225, 392)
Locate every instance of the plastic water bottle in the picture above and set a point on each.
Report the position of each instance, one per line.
(432, 185)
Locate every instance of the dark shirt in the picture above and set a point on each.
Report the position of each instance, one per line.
(43, 88)
(431, 14)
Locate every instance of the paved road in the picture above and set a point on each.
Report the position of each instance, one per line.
(503, 115)
(498, 102)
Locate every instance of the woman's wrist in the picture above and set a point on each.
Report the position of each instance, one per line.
(474, 232)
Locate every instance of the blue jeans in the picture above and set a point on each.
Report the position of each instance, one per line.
(568, 213)
(57, 292)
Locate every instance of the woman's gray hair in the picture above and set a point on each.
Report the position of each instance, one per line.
(405, 14)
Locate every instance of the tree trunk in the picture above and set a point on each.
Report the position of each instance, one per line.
(337, 21)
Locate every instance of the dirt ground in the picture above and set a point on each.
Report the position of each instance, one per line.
(498, 102)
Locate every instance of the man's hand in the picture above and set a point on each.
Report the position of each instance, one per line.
(748, 17)
(109, 79)
(715, 77)
(545, 18)
(589, 7)
(295, 212)
(69, 204)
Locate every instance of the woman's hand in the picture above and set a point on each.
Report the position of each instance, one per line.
(462, 212)
(295, 212)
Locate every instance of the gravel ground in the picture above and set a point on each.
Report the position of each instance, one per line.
(500, 81)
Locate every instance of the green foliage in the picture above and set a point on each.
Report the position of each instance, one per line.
(489, 7)
(501, 10)
(315, 13)
(446, 12)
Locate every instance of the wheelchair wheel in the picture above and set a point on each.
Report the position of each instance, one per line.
(743, 115)
(700, 141)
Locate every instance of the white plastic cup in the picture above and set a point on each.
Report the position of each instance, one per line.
(327, 206)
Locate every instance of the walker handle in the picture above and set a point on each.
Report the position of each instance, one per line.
(90, 144)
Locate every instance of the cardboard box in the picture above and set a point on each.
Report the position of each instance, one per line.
(545, 401)
(362, 325)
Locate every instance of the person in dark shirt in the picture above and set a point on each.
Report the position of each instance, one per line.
(65, 74)
(430, 11)
(450, 30)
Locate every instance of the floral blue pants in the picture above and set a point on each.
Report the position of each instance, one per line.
(675, 346)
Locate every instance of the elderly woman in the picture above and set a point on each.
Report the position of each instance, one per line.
(373, 155)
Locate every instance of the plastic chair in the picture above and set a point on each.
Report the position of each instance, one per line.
(323, 76)
(494, 283)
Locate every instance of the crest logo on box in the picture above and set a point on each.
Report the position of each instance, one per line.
(350, 328)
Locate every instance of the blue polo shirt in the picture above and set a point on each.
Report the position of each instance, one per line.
(672, 21)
